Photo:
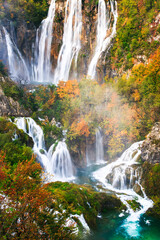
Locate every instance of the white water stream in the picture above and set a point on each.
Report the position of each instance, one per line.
(103, 26)
(57, 164)
(42, 55)
(71, 40)
(114, 177)
(95, 154)
(99, 147)
(17, 66)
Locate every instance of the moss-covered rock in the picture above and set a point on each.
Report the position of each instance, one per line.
(76, 199)
(16, 144)
(151, 183)
(134, 204)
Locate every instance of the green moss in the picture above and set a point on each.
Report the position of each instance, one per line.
(16, 149)
(52, 133)
(84, 200)
(151, 179)
(134, 204)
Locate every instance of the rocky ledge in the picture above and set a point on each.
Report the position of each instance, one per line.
(8, 105)
(151, 146)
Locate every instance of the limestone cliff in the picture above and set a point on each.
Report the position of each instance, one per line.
(9, 106)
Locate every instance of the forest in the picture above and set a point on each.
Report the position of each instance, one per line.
(80, 119)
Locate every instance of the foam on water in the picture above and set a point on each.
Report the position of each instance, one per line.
(113, 177)
(56, 162)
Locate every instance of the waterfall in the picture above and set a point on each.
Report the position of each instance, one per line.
(103, 26)
(42, 55)
(61, 161)
(57, 164)
(17, 66)
(95, 151)
(99, 146)
(115, 177)
(71, 40)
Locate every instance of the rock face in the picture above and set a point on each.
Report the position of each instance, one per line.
(24, 35)
(151, 146)
(8, 106)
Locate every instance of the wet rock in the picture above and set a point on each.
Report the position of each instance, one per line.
(151, 146)
(137, 189)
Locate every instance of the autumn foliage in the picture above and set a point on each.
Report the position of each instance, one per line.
(68, 89)
(142, 90)
(80, 128)
(27, 208)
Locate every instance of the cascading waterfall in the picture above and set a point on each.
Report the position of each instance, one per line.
(60, 161)
(42, 55)
(57, 163)
(103, 41)
(71, 40)
(17, 66)
(99, 146)
(113, 176)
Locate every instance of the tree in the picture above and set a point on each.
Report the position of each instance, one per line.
(27, 208)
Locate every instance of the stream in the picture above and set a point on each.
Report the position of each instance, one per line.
(118, 177)
(113, 226)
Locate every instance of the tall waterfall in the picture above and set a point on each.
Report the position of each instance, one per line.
(42, 55)
(71, 40)
(99, 146)
(56, 163)
(17, 66)
(40, 69)
(120, 176)
(103, 41)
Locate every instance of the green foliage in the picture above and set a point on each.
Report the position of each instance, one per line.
(83, 200)
(16, 152)
(52, 133)
(3, 70)
(12, 90)
(142, 91)
(134, 31)
(31, 10)
(134, 204)
(25, 203)
(15, 91)
(151, 179)
(45, 102)
(151, 176)
(15, 149)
